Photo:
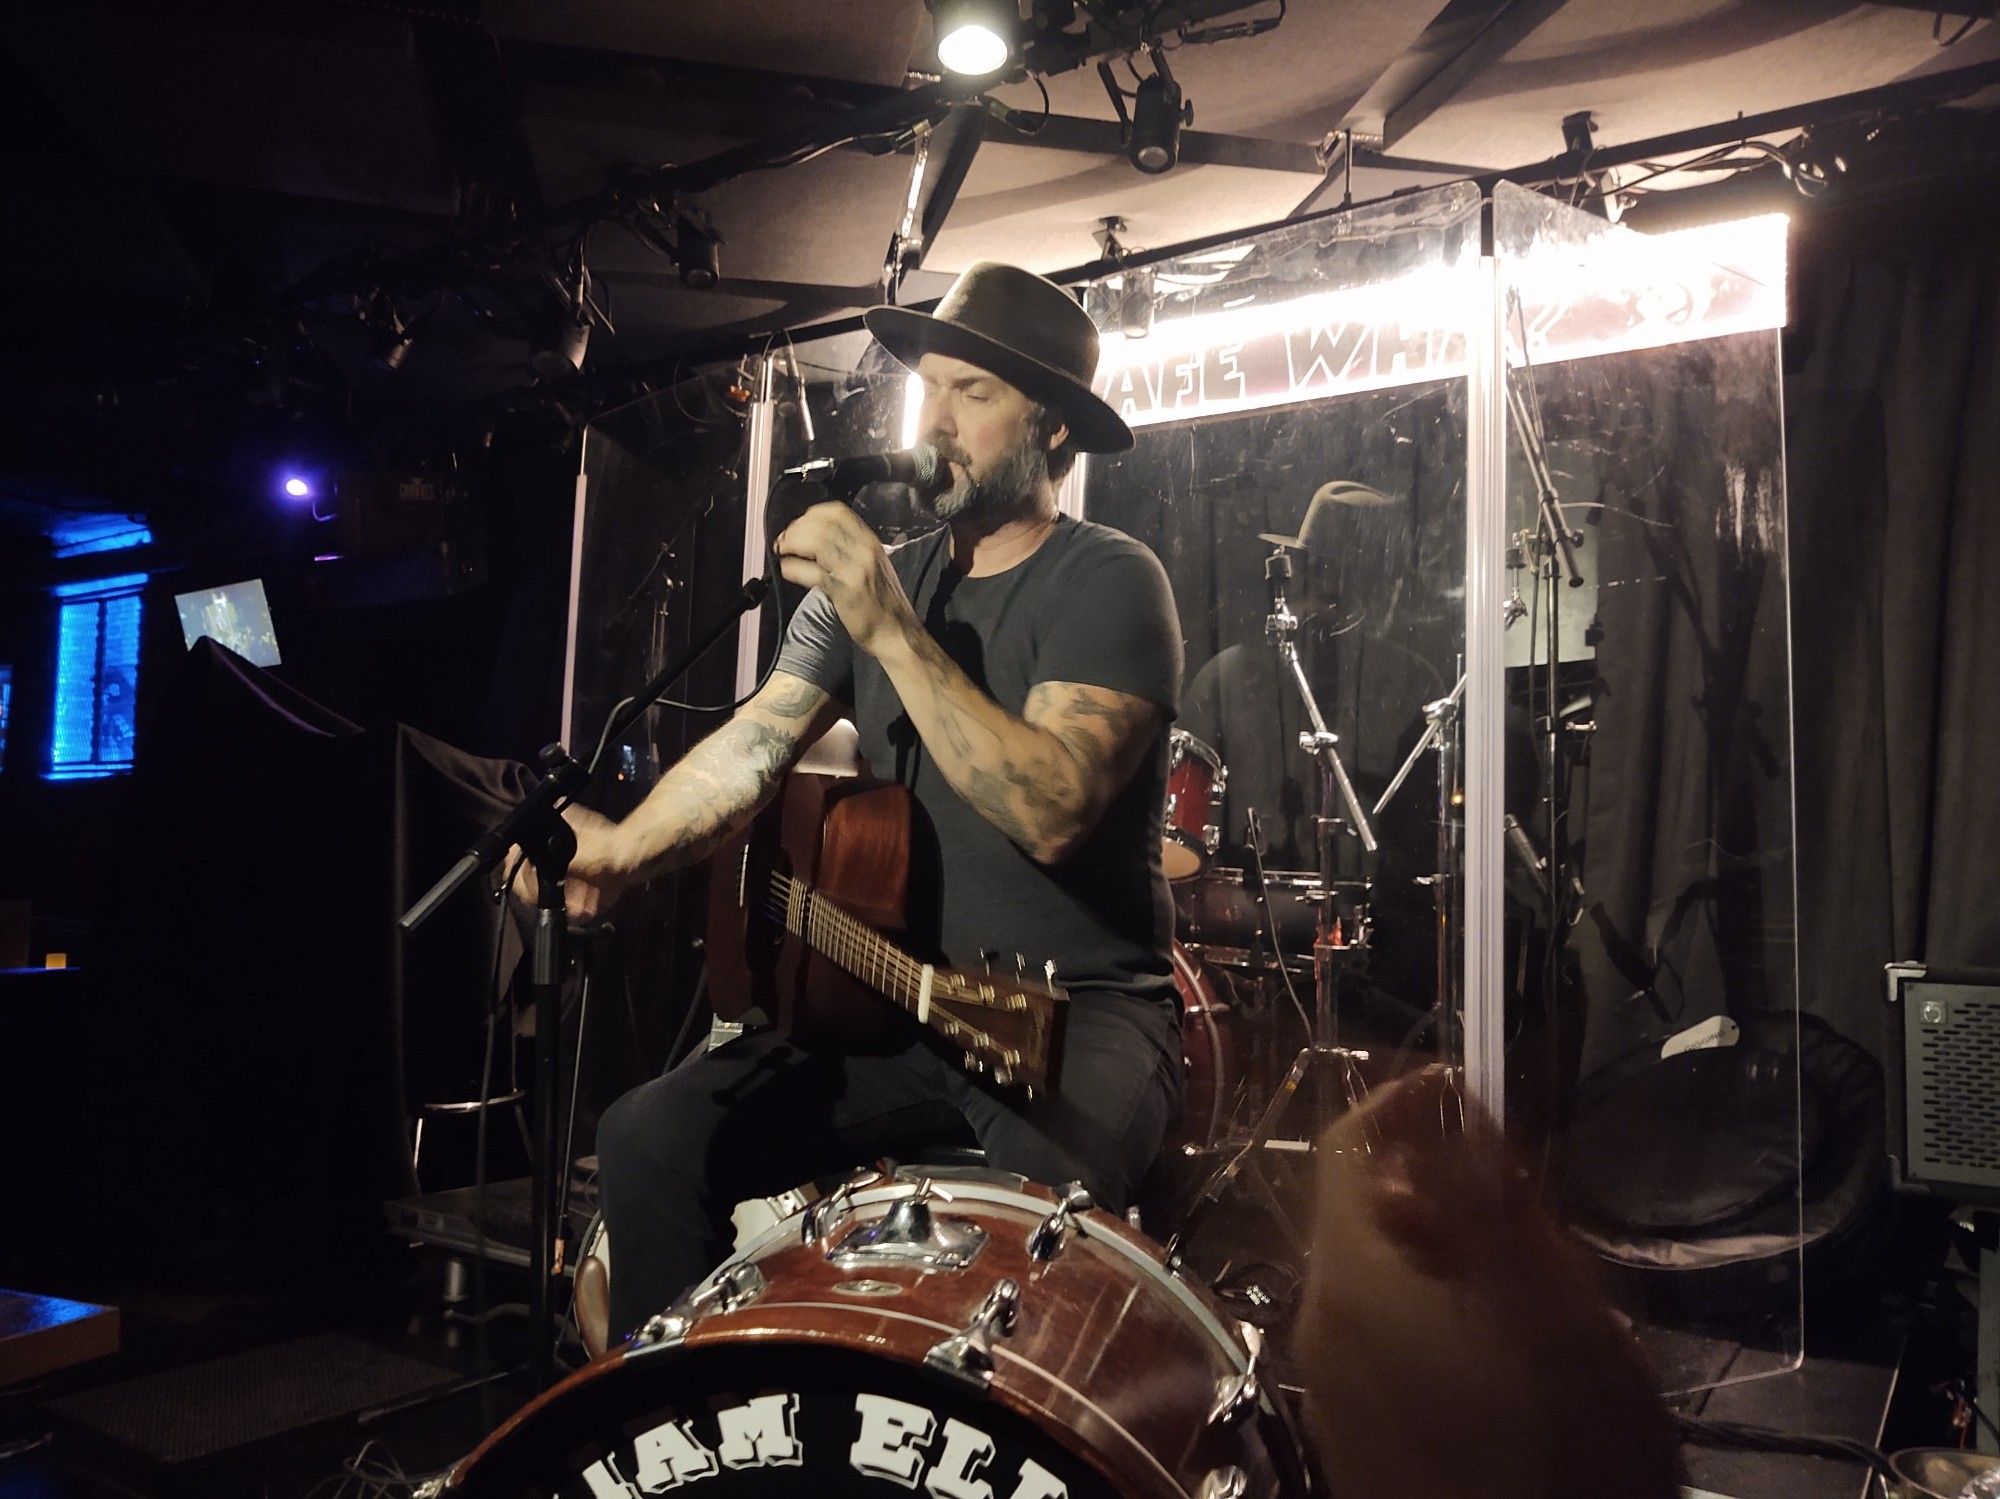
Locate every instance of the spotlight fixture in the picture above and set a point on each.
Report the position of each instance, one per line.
(1130, 297)
(1137, 300)
(297, 487)
(562, 336)
(390, 344)
(389, 337)
(1158, 112)
(559, 352)
(697, 249)
(1152, 128)
(974, 37)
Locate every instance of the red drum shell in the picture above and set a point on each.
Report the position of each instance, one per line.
(1196, 779)
(1106, 1382)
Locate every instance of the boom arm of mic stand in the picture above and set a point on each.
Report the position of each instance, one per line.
(527, 824)
(1436, 715)
(1553, 515)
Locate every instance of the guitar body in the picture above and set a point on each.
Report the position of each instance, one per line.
(849, 838)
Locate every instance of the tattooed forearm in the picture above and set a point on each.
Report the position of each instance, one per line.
(1043, 779)
(718, 785)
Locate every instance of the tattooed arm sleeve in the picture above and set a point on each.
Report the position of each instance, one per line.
(718, 786)
(1043, 779)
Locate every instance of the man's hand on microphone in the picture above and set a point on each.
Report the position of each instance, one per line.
(599, 872)
(832, 548)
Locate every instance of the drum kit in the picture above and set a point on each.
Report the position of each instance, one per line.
(962, 1331)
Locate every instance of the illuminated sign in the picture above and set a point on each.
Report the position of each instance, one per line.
(1612, 295)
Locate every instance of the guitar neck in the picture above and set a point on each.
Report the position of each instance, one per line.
(855, 947)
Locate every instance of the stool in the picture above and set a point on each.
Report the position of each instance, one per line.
(513, 1102)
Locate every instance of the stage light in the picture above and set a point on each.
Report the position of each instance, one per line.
(1138, 299)
(297, 486)
(1158, 112)
(391, 346)
(697, 250)
(559, 353)
(974, 37)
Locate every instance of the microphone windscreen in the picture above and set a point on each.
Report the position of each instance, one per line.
(926, 469)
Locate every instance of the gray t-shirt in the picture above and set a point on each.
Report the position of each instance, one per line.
(1092, 606)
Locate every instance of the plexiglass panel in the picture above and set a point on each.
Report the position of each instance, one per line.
(1300, 403)
(1309, 385)
(1652, 1021)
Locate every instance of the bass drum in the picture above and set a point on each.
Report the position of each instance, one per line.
(1210, 1064)
(970, 1338)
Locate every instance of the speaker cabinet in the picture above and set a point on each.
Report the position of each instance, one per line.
(1944, 1097)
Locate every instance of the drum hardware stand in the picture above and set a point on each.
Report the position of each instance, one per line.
(1281, 628)
(1440, 734)
(1550, 547)
(536, 826)
(1321, 1049)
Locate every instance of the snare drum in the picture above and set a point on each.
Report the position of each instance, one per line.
(1196, 781)
(973, 1338)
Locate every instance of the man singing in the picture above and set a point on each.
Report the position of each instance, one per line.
(1016, 670)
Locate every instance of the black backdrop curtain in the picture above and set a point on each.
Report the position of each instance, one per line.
(1893, 452)
(228, 1098)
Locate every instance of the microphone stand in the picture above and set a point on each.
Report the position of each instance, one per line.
(537, 827)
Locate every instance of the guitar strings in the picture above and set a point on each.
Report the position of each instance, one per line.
(856, 948)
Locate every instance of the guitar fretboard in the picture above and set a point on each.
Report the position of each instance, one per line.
(858, 949)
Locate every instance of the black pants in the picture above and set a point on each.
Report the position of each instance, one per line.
(759, 1116)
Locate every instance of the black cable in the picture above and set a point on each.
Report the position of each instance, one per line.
(1703, 1432)
(695, 1003)
(784, 623)
(1937, 28)
(1047, 108)
(1278, 952)
(777, 595)
(561, 1202)
(482, 1351)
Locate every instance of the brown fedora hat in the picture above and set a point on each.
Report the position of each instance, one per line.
(1025, 329)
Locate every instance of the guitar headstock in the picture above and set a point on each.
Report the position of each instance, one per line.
(1007, 1024)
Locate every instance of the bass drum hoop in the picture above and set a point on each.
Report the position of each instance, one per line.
(1124, 1240)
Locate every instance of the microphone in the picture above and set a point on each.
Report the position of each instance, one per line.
(1527, 855)
(1534, 863)
(917, 467)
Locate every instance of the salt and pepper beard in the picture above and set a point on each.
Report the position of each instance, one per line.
(1001, 489)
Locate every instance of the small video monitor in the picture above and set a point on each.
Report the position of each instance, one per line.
(234, 615)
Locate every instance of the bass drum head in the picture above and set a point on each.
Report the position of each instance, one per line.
(733, 1421)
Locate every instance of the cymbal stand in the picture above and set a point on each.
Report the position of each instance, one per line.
(1321, 1050)
(1440, 734)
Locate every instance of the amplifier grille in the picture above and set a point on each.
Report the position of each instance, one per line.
(1952, 1070)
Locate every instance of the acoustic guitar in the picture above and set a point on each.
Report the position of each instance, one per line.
(798, 907)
